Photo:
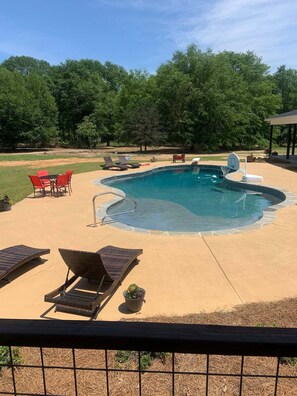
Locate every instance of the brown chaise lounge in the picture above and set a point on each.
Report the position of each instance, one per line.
(15, 256)
(107, 267)
(123, 161)
(109, 164)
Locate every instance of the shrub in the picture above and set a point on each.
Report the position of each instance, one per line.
(5, 356)
(4, 202)
(134, 291)
(288, 360)
(146, 358)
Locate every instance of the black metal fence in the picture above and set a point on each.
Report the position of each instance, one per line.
(200, 359)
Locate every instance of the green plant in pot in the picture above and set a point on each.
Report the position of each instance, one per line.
(134, 297)
(5, 203)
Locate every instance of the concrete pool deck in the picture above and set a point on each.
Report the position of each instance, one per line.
(181, 274)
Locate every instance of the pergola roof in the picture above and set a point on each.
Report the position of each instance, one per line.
(288, 118)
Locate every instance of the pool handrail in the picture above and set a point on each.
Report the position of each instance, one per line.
(115, 214)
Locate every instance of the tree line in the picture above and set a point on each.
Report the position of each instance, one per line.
(197, 99)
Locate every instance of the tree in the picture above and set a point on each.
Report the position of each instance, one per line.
(138, 89)
(263, 99)
(175, 93)
(114, 75)
(26, 65)
(144, 127)
(87, 133)
(78, 86)
(201, 99)
(15, 108)
(215, 100)
(286, 82)
(106, 116)
(44, 112)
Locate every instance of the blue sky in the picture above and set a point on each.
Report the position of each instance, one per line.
(142, 34)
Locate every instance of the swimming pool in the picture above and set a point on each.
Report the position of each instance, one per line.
(188, 199)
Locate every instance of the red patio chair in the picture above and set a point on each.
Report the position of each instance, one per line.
(62, 183)
(178, 157)
(45, 182)
(37, 184)
(69, 174)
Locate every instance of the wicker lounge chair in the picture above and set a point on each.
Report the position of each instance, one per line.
(15, 256)
(107, 267)
(109, 164)
(123, 161)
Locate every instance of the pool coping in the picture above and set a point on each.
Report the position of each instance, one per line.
(269, 214)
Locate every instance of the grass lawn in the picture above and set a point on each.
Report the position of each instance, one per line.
(15, 182)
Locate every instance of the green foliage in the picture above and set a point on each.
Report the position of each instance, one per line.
(176, 97)
(199, 99)
(129, 358)
(44, 112)
(286, 83)
(28, 113)
(123, 356)
(114, 75)
(107, 119)
(134, 291)
(77, 86)
(15, 108)
(87, 134)
(216, 100)
(5, 359)
(291, 361)
(26, 65)
(261, 324)
(143, 125)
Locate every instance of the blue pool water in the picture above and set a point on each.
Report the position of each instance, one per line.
(187, 199)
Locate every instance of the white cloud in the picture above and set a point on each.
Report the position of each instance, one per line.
(266, 27)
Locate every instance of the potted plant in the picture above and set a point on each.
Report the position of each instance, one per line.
(134, 297)
(5, 203)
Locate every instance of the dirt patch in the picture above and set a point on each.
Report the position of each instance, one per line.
(45, 162)
(73, 156)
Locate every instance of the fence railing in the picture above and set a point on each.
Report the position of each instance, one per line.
(174, 339)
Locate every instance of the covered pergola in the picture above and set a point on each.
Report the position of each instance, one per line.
(289, 119)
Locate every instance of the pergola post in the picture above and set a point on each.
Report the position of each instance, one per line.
(289, 142)
(294, 140)
(270, 141)
(288, 119)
